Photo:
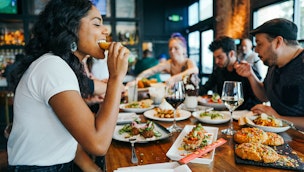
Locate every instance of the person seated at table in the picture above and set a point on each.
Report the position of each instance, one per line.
(147, 62)
(52, 125)
(252, 57)
(224, 53)
(178, 65)
(279, 49)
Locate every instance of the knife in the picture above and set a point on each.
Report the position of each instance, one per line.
(202, 151)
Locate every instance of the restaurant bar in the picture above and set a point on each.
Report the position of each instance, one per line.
(151, 85)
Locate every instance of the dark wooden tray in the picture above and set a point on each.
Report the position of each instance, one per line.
(282, 150)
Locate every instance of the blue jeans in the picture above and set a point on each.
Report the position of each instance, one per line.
(66, 167)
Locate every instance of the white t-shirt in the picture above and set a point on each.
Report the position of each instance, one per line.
(38, 137)
(100, 69)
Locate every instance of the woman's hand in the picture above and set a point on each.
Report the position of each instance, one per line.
(118, 60)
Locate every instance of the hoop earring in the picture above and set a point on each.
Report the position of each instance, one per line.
(73, 46)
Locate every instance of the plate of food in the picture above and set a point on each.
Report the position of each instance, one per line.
(142, 132)
(214, 101)
(166, 114)
(183, 145)
(144, 84)
(138, 106)
(211, 117)
(268, 123)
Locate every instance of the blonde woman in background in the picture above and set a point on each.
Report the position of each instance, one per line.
(178, 65)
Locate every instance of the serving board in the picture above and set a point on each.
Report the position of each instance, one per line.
(284, 149)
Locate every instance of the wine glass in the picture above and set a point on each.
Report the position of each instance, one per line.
(175, 95)
(232, 96)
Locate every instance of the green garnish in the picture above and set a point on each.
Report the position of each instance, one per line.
(211, 114)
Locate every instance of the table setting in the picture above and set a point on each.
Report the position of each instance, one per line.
(156, 153)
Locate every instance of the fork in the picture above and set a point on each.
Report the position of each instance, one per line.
(134, 158)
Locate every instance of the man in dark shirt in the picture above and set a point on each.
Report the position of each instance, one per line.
(224, 52)
(283, 87)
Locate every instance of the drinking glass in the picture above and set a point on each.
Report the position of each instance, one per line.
(232, 96)
(175, 95)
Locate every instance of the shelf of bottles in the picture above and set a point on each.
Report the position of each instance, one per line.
(11, 34)
(11, 43)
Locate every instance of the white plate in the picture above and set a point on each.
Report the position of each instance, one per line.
(270, 129)
(140, 139)
(136, 110)
(204, 101)
(160, 167)
(198, 108)
(143, 89)
(183, 115)
(208, 120)
(126, 117)
(175, 153)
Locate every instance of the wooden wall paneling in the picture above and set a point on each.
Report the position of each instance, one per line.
(232, 18)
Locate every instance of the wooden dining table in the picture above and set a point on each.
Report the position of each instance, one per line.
(119, 153)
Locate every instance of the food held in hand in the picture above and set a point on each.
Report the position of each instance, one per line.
(104, 45)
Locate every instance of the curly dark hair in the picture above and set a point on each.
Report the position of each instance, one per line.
(57, 27)
(224, 42)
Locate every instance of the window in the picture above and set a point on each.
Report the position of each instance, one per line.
(193, 14)
(200, 36)
(291, 9)
(301, 19)
(206, 9)
(207, 55)
(125, 8)
(194, 46)
(127, 32)
(278, 10)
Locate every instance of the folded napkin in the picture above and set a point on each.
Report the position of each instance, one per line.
(160, 167)
(125, 117)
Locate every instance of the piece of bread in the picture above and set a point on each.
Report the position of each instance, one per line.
(273, 139)
(242, 120)
(250, 135)
(104, 45)
(256, 152)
